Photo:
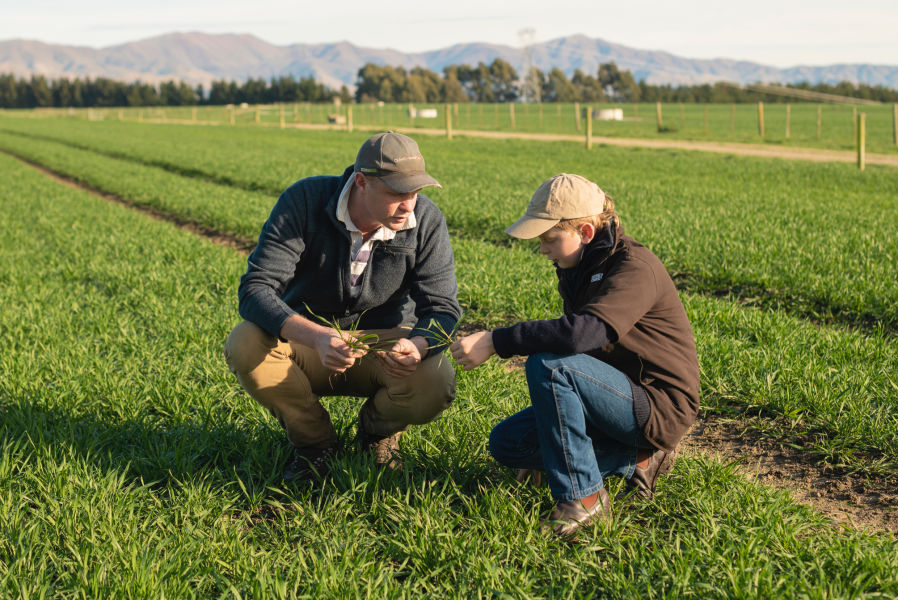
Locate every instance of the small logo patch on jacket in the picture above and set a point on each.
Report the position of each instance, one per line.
(596, 277)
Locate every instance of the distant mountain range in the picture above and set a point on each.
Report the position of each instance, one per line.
(202, 58)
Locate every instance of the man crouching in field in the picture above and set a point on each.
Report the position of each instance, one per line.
(614, 382)
(341, 258)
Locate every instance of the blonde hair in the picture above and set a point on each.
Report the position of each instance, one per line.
(599, 221)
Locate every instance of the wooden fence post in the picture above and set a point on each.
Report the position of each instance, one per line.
(283, 119)
(588, 127)
(258, 114)
(819, 120)
(577, 114)
(349, 118)
(90, 114)
(788, 118)
(193, 115)
(761, 118)
(861, 140)
(448, 110)
(658, 116)
(511, 113)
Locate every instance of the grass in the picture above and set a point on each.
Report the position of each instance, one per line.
(698, 122)
(772, 361)
(761, 230)
(132, 465)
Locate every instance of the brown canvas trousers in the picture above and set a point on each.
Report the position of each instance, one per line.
(288, 379)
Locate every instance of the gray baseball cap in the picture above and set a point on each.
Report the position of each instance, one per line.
(395, 159)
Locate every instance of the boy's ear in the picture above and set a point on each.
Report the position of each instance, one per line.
(587, 232)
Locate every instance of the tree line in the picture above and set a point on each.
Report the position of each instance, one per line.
(494, 82)
(38, 91)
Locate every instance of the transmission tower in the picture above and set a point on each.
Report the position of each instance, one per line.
(530, 91)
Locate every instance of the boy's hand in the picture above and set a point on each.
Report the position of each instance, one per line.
(473, 350)
(403, 357)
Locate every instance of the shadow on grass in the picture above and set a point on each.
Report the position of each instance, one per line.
(225, 453)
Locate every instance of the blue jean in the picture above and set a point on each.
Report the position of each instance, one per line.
(579, 428)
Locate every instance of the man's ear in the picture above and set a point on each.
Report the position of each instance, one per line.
(361, 181)
(587, 232)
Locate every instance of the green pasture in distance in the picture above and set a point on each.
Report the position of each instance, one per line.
(771, 362)
(132, 465)
(735, 123)
(818, 239)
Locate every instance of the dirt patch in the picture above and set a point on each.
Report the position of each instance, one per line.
(847, 498)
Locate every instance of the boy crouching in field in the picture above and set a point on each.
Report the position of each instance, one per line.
(613, 382)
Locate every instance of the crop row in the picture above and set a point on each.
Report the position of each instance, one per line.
(819, 240)
(132, 465)
(794, 125)
(834, 384)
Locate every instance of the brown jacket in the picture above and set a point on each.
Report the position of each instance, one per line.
(630, 290)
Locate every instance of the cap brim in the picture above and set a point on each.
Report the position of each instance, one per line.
(528, 227)
(405, 183)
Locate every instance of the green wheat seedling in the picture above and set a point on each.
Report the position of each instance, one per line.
(358, 343)
(443, 337)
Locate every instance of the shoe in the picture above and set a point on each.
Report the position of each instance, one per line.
(384, 448)
(569, 518)
(642, 483)
(308, 463)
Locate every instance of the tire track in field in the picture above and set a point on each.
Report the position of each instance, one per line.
(222, 238)
(189, 173)
(858, 501)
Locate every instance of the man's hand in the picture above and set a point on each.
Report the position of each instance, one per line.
(335, 353)
(473, 350)
(403, 357)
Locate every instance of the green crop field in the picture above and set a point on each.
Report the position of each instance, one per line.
(132, 464)
(785, 124)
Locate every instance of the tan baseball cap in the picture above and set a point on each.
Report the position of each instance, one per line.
(564, 196)
(395, 159)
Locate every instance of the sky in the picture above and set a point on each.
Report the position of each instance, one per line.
(781, 33)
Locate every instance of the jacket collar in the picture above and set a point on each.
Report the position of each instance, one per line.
(331, 207)
(605, 244)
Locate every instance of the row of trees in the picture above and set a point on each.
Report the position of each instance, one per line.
(500, 82)
(495, 82)
(38, 91)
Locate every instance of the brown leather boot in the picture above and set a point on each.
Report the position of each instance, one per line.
(642, 483)
(309, 463)
(569, 518)
(383, 448)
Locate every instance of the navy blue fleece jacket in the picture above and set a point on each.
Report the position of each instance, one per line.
(301, 264)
